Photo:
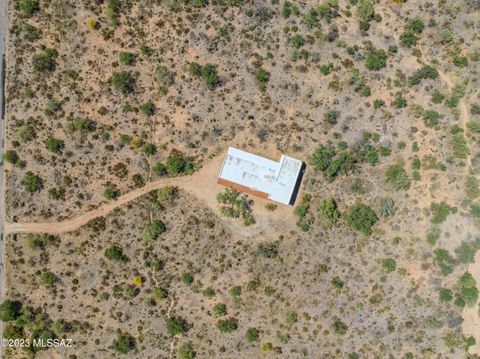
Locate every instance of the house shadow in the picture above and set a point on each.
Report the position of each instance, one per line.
(298, 183)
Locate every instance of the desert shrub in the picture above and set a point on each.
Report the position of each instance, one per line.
(416, 25)
(389, 265)
(328, 211)
(445, 295)
(297, 40)
(271, 207)
(176, 164)
(26, 133)
(331, 116)
(111, 191)
(366, 13)
(115, 253)
(440, 211)
(176, 325)
(113, 9)
(164, 77)
(339, 327)
(209, 292)
(186, 278)
(408, 38)
(358, 83)
(425, 72)
(219, 309)
(126, 58)
(28, 7)
(147, 108)
(459, 146)
(124, 343)
(130, 291)
(466, 251)
(10, 310)
(261, 77)
(328, 10)
(386, 206)
(120, 170)
(210, 75)
(399, 102)
(159, 169)
(186, 352)
(195, 69)
(52, 107)
(472, 187)
(361, 218)
(47, 278)
(91, 23)
(475, 210)
(138, 180)
(431, 117)
(83, 124)
(267, 250)
(289, 8)
(236, 205)
(153, 230)
(123, 82)
(227, 325)
(32, 182)
(475, 109)
(460, 61)
(444, 261)
(376, 59)
(473, 126)
(311, 18)
(160, 293)
(11, 156)
(55, 145)
(322, 157)
(40, 241)
(397, 177)
(45, 61)
(467, 289)
(251, 334)
(437, 97)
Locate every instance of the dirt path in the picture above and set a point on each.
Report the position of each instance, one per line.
(201, 184)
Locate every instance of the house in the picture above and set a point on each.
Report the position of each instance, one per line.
(261, 177)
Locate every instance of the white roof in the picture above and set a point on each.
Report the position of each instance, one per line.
(277, 179)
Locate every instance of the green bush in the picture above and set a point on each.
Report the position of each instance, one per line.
(440, 212)
(31, 182)
(361, 218)
(111, 191)
(113, 9)
(445, 295)
(472, 187)
(397, 177)
(186, 351)
(251, 334)
(187, 278)
(399, 102)
(55, 145)
(415, 25)
(127, 58)
(459, 145)
(45, 61)
(210, 76)
(28, 7)
(376, 59)
(147, 108)
(408, 38)
(124, 343)
(267, 250)
(115, 253)
(123, 82)
(467, 289)
(328, 10)
(328, 211)
(175, 164)
(339, 327)
(219, 309)
(47, 278)
(389, 265)
(153, 230)
(11, 156)
(176, 325)
(227, 325)
(426, 72)
(261, 76)
(10, 310)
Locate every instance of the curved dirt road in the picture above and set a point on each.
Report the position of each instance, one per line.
(199, 184)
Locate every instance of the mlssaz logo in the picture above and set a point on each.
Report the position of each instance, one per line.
(52, 343)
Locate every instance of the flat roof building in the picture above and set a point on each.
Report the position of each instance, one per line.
(259, 176)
